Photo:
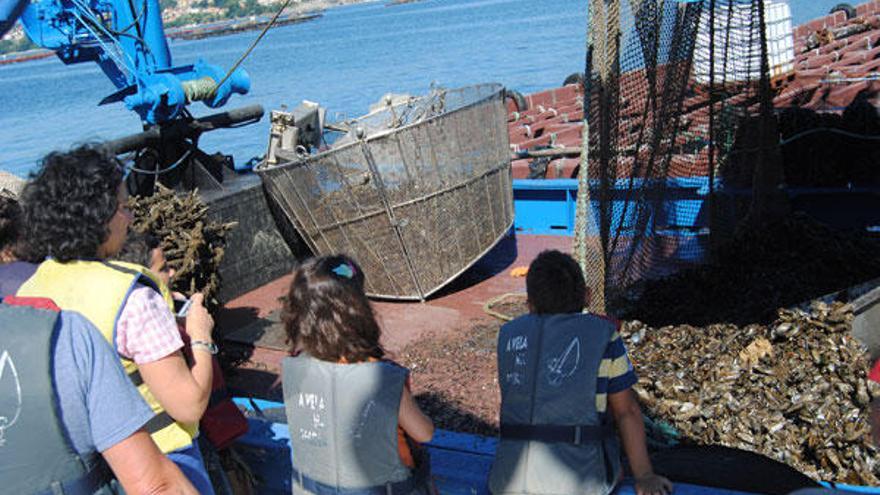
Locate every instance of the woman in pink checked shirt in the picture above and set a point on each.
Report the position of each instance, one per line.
(77, 217)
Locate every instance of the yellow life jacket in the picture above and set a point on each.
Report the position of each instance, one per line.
(98, 290)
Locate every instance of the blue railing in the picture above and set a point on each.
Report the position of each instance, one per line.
(547, 207)
(460, 462)
(679, 206)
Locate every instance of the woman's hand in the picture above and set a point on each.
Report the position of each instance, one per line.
(199, 323)
(653, 484)
(181, 389)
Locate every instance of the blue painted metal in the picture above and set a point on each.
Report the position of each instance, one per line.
(544, 207)
(547, 207)
(842, 207)
(126, 39)
(460, 462)
(10, 10)
(256, 404)
(842, 487)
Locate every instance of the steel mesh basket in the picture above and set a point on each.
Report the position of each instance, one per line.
(417, 192)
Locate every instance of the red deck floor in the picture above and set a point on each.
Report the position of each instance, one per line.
(459, 304)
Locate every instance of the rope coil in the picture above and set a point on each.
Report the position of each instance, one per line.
(199, 89)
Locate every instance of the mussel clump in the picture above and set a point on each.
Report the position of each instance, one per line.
(193, 244)
(795, 390)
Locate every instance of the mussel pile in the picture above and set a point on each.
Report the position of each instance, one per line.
(193, 244)
(759, 270)
(794, 390)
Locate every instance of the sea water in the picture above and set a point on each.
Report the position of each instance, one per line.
(345, 61)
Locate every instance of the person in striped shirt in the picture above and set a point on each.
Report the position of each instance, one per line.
(616, 373)
(566, 381)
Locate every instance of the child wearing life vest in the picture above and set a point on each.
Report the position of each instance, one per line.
(353, 421)
(565, 382)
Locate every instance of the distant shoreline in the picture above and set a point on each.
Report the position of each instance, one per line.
(301, 13)
(231, 26)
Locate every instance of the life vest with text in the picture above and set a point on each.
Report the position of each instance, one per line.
(343, 421)
(553, 438)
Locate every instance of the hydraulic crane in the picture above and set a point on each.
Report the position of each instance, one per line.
(126, 39)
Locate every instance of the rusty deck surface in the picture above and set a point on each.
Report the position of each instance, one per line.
(248, 325)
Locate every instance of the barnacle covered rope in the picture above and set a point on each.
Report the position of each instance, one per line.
(490, 305)
(199, 89)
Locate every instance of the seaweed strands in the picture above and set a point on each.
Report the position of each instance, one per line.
(795, 390)
(193, 244)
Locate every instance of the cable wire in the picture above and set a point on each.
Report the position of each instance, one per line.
(169, 168)
(250, 48)
(92, 24)
(136, 20)
(808, 132)
(869, 137)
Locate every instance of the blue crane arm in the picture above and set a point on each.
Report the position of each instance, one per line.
(126, 39)
(9, 12)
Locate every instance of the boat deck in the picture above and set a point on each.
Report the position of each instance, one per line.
(460, 462)
(249, 325)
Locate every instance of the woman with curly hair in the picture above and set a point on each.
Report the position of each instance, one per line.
(13, 271)
(354, 424)
(77, 217)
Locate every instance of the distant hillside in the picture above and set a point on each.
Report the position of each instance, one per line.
(177, 13)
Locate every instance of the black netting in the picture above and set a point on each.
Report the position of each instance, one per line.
(695, 132)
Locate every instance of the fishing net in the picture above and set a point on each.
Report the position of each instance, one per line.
(727, 163)
(687, 104)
